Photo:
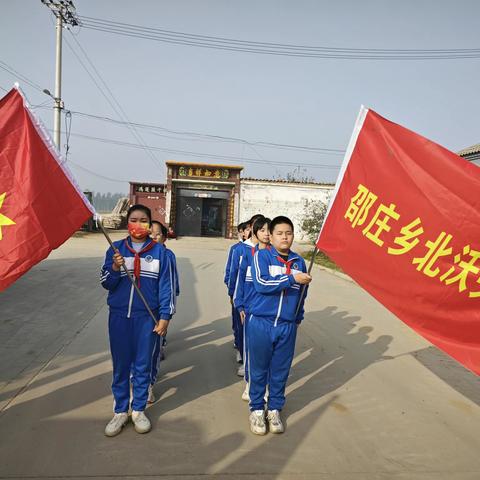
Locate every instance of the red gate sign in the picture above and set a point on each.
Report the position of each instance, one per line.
(404, 222)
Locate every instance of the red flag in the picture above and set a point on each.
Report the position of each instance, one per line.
(41, 205)
(404, 222)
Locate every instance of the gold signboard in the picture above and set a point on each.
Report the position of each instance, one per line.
(195, 172)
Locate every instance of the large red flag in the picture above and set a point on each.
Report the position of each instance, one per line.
(404, 222)
(41, 205)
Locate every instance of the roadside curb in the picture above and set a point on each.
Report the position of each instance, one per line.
(344, 276)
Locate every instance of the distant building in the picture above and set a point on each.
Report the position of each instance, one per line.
(210, 200)
(202, 199)
(152, 195)
(471, 153)
(280, 197)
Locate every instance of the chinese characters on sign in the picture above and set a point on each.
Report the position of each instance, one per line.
(150, 188)
(374, 218)
(220, 173)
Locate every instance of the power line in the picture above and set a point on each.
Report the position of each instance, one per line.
(204, 136)
(272, 48)
(111, 100)
(16, 74)
(214, 156)
(95, 174)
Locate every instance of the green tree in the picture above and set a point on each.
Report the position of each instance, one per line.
(314, 212)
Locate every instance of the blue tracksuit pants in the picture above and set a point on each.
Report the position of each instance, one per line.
(157, 350)
(237, 330)
(245, 346)
(132, 342)
(271, 348)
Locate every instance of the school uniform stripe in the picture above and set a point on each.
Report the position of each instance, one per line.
(266, 282)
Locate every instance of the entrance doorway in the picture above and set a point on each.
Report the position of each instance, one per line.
(201, 213)
(214, 217)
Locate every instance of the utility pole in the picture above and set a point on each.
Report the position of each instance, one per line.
(65, 13)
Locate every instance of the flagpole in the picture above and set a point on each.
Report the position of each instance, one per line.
(304, 287)
(125, 269)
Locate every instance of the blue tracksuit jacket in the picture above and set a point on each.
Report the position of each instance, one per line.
(228, 265)
(173, 261)
(158, 341)
(276, 294)
(237, 256)
(244, 290)
(156, 282)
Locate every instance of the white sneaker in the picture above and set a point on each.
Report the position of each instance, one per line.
(257, 422)
(241, 371)
(239, 357)
(115, 425)
(245, 394)
(151, 396)
(275, 424)
(141, 422)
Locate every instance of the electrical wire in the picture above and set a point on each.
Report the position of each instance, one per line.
(18, 75)
(68, 130)
(95, 174)
(272, 48)
(210, 156)
(112, 101)
(194, 136)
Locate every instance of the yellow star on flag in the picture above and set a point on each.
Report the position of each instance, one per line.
(4, 221)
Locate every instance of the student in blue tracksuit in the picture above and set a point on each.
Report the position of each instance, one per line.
(160, 234)
(277, 274)
(131, 329)
(237, 256)
(241, 238)
(245, 290)
(241, 230)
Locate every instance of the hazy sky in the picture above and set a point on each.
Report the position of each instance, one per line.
(302, 101)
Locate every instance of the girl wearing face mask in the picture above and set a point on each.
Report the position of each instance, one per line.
(132, 331)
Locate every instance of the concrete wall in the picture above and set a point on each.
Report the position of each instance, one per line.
(279, 198)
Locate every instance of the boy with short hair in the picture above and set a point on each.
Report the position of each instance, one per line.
(277, 274)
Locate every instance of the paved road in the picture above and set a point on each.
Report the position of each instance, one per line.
(367, 398)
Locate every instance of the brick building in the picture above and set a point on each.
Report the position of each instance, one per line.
(209, 200)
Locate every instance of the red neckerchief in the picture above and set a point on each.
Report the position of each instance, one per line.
(287, 263)
(136, 261)
(253, 249)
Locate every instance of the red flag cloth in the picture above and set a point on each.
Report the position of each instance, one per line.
(404, 222)
(40, 204)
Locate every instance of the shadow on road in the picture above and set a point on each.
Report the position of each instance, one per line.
(338, 352)
(450, 371)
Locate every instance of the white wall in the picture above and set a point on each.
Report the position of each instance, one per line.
(273, 199)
